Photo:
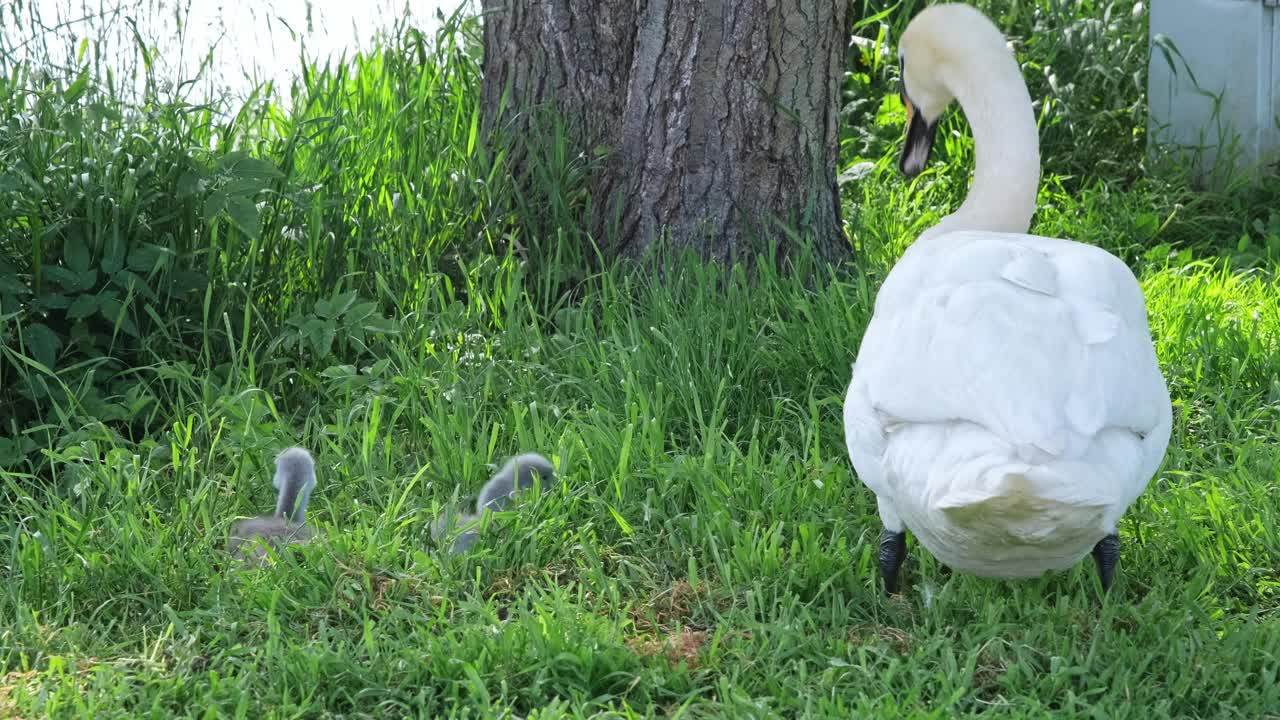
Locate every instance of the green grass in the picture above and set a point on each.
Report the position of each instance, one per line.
(710, 553)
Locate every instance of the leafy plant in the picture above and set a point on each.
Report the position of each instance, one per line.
(342, 320)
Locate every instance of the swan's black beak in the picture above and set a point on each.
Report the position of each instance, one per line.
(919, 142)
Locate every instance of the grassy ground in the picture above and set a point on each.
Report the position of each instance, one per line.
(362, 280)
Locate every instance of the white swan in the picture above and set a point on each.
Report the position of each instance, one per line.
(1006, 404)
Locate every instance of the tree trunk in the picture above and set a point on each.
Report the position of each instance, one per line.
(720, 116)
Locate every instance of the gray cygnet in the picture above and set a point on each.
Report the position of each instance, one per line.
(295, 479)
(518, 474)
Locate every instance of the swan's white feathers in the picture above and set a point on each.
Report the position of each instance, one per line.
(1032, 271)
(1015, 375)
(1096, 325)
(967, 344)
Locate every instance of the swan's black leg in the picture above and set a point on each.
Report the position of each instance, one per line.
(1105, 554)
(893, 550)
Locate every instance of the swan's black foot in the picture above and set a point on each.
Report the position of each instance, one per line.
(893, 550)
(1105, 554)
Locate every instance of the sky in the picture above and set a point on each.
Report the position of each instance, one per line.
(261, 38)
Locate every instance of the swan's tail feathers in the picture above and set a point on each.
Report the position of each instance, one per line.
(1024, 507)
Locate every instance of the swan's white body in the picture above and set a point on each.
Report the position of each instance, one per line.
(1006, 405)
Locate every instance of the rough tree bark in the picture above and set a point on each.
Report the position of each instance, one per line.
(721, 116)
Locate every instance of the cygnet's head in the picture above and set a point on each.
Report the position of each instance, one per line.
(942, 46)
(295, 479)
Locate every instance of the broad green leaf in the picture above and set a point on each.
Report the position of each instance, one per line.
(146, 257)
(51, 301)
(335, 372)
(379, 325)
(112, 311)
(1147, 224)
(231, 159)
(10, 455)
(214, 205)
(83, 307)
(19, 179)
(76, 253)
(42, 344)
(109, 411)
(138, 401)
(312, 327)
(11, 284)
(244, 215)
(360, 311)
(100, 112)
(87, 280)
(67, 280)
(73, 122)
(188, 185)
(319, 335)
(251, 167)
(81, 335)
(60, 277)
(110, 308)
(14, 450)
(129, 281)
(326, 344)
(187, 281)
(244, 187)
(344, 301)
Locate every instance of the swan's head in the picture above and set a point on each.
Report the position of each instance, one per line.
(295, 479)
(941, 47)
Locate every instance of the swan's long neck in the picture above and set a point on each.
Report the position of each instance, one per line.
(294, 496)
(990, 89)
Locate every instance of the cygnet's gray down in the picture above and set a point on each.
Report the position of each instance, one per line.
(520, 473)
(295, 479)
